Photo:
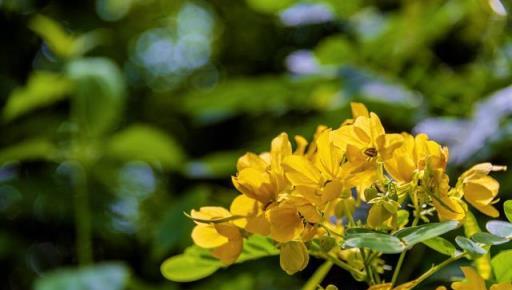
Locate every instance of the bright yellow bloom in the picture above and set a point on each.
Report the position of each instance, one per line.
(255, 220)
(224, 238)
(365, 142)
(261, 177)
(475, 282)
(479, 189)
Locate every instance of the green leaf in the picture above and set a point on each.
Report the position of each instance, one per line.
(507, 207)
(99, 98)
(500, 229)
(384, 243)
(142, 142)
(501, 265)
(413, 235)
(35, 149)
(441, 245)
(42, 89)
(197, 263)
(269, 6)
(111, 276)
(469, 246)
(335, 50)
(194, 264)
(488, 239)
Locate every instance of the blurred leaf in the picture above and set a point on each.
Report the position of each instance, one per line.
(501, 265)
(469, 246)
(334, 50)
(106, 276)
(269, 6)
(99, 99)
(42, 89)
(144, 143)
(35, 149)
(197, 263)
(380, 242)
(215, 165)
(413, 235)
(441, 245)
(507, 207)
(174, 227)
(500, 229)
(62, 43)
(488, 239)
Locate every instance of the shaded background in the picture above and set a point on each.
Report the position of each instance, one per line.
(119, 115)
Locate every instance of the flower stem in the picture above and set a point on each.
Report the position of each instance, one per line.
(318, 276)
(402, 255)
(434, 269)
(82, 217)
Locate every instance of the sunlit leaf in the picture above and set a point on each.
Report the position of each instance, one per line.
(380, 242)
(269, 6)
(488, 239)
(507, 207)
(413, 235)
(144, 143)
(500, 229)
(99, 98)
(35, 149)
(501, 265)
(42, 89)
(441, 245)
(469, 246)
(111, 276)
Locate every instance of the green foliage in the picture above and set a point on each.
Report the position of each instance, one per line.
(384, 243)
(441, 245)
(488, 239)
(469, 246)
(507, 207)
(29, 150)
(413, 235)
(140, 142)
(501, 265)
(196, 263)
(42, 89)
(112, 276)
(500, 229)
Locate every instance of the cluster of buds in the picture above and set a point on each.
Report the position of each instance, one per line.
(308, 196)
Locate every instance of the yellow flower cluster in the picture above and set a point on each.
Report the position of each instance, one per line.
(294, 196)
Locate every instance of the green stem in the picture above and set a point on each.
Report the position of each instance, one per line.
(402, 255)
(341, 264)
(318, 276)
(82, 217)
(367, 268)
(434, 269)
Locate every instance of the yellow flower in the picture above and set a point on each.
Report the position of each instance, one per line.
(365, 142)
(479, 188)
(285, 223)
(475, 282)
(389, 286)
(223, 238)
(261, 177)
(255, 220)
(293, 257)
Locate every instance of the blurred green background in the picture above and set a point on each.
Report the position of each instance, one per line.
(119, 115)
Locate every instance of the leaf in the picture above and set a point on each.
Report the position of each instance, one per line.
(441, 245)
(469, 246)
(500, 229)
(111, 276)
(174, 219)
(501, 265)
(269, 6)
(99, 98)
(194, 264)
(507, 207)
(35, 149)
(144, 143)
(488, 239)
(197, 263)
(482, 263)
(413, 235)
(215, 165)
(384, 243)
(42, 89)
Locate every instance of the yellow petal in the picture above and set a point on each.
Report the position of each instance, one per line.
(243, 205)
(258, 225)
(279, 149)
(210, 213)
(473, 281)
(359, 109)
(331, 191)
(206, 236)
(255, 184)
(449, 208)
(228, 230)
(302, 143)
(329, 156)
(285, 223)
(386, 286)
(229, 252)
(251, 160)
(310, 213)
(502, 286)
(294, 257)
(378, 215)
(301, 172)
